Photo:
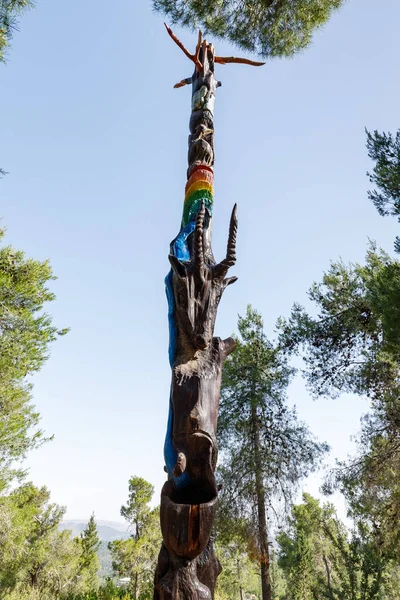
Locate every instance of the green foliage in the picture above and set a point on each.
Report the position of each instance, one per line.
(240, 577)
(270, 28)
(25, 335)
(10, 11)
(36, 559)
(136, 557)
(107, 591)
(304, 551)
(137, 510)
(322, 559)
(384, 149)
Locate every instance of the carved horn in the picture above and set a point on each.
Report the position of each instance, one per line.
(231, 247)
(191, 57)
(230, 258)
(221, 268)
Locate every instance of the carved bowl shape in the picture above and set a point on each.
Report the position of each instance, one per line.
(186, 528)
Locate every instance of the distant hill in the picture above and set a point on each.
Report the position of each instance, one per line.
(108, 530)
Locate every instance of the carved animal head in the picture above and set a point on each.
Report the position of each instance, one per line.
(199, 284)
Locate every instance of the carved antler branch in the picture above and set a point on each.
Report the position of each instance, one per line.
(195, 58)
(224, 60)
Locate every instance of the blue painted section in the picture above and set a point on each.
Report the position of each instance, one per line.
(181, 251)
(171, 321)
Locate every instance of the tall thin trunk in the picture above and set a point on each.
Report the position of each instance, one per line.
(239, 576)
(136, 594)
(328, 574)
(261, 507)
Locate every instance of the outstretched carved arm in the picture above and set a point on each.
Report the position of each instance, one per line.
(195, 58)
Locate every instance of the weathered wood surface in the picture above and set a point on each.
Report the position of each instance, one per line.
(187, 566)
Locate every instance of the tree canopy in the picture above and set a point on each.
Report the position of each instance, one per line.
(269, 28)
(352, 344)
(137, 509)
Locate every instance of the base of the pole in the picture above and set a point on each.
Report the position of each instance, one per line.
(187, 567)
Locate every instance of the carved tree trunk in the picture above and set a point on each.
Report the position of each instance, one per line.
(187, 566)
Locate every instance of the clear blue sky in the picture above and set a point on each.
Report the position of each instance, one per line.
(95, 140)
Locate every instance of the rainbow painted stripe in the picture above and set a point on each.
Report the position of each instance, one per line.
(199, 188)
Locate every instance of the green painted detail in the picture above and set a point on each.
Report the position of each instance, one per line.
(203, 100)
(193, 203)
(199, 98)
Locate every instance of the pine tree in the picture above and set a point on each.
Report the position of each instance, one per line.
(270, 28)
(89, 561)
(136, 557)
(26, 333)
(266, 450)
(351, 343)
(137, 510)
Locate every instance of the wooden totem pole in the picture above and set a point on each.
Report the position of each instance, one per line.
(187, 566)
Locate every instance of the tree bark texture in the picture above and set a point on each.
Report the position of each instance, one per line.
(187, 566)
